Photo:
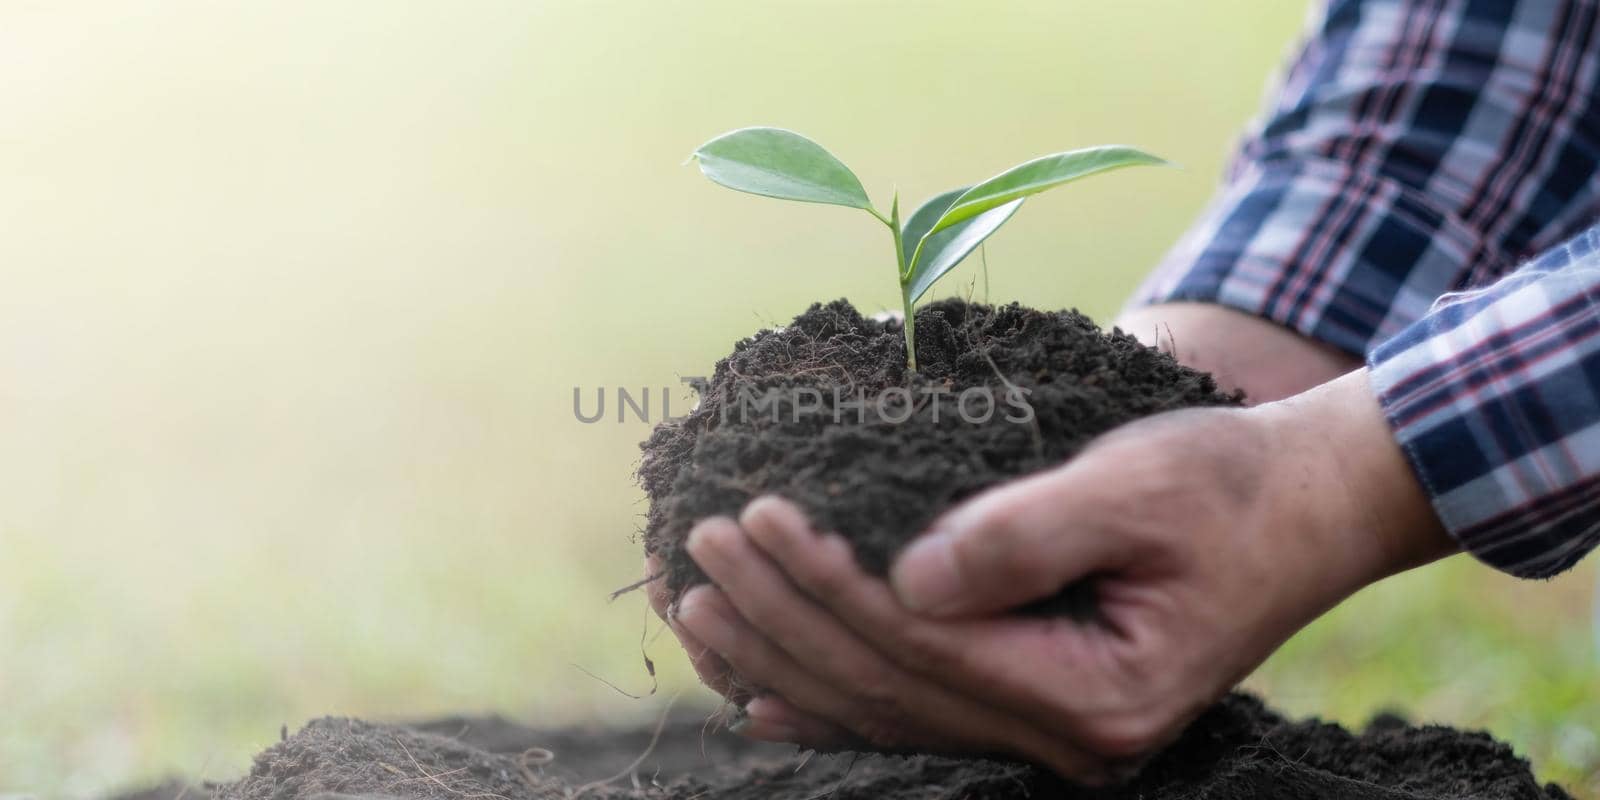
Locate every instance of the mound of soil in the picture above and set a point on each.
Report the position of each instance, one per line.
(823, 412)
(1237, 750)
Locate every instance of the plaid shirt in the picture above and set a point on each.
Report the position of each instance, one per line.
(1416, 153)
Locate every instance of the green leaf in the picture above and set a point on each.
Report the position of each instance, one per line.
(773, 162)
(1035, 176)
(942, 251)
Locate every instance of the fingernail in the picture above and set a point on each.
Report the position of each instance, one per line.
(696, 541)
(757, 508)
(709, 538)
(925, 576)
(757, 725)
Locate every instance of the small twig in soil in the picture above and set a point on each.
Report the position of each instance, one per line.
(425, 775)
(983, 256)
(1266, 744)
(854, 757)
(533, 757)
(649, 665)
(659, 631)
(644, 634)
(655, 737)
(1033, 424)
(616, 688)
(728, 709)
(638, 584)
(1017, 779)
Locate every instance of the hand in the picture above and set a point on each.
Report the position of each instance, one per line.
(1265, 359)
(821, 683)
(1211, 536)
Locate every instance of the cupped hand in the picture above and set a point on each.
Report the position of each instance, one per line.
(794, 617)
(1209, 535)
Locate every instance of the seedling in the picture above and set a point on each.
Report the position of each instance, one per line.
(773, 162)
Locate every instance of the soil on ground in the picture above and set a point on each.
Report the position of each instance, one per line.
(1238, 750)
(824, 412)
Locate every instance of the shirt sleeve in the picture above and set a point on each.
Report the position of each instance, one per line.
(1412, 148)
(1494, 396)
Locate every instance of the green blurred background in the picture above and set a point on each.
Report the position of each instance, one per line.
(293, 298)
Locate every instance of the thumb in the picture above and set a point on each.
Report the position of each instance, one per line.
(1014, 544)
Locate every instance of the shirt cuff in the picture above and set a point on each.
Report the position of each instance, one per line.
(1494, 396)
(1339, 255)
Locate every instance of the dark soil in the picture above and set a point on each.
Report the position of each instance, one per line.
(878, 481)
(1236, 750)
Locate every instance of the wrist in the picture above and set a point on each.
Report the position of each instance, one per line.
(1346, 487)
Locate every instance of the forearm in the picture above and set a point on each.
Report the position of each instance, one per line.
(1266, 360)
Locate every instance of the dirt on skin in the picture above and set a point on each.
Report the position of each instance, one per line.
(1236, 750)
(832, 438)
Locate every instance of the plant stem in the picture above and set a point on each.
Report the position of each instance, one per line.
(983, 253)
(910, 328)
(910, 325)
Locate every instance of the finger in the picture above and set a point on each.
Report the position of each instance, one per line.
(708, 666)
(1012, 663)
(764, 597)
(706, 613)
(919, 716)
(770, 718)
(712, 670)
(887, 705)
(1020, 542)
(824, 569)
